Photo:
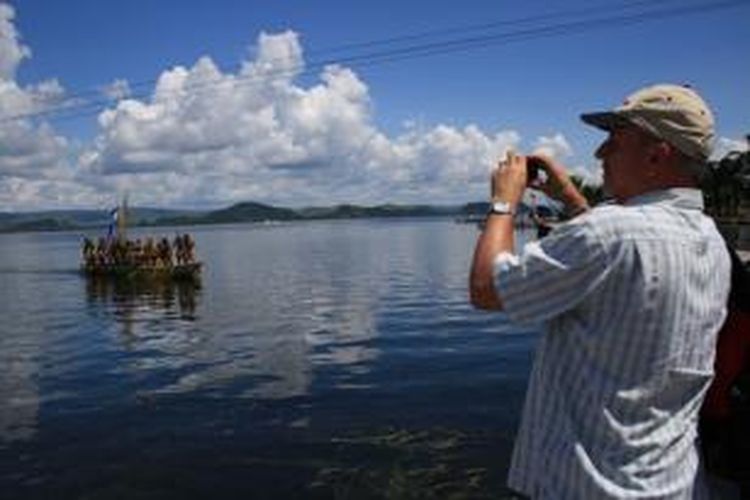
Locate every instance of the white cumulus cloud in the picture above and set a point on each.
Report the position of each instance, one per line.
(258, 134)
(118, 89)
(210, 137)
(12, 52)
(29, 153)
(555, 146)
(26, 151)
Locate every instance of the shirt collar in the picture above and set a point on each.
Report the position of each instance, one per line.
(687, 198)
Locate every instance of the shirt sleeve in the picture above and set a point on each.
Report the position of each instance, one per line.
(551, 276)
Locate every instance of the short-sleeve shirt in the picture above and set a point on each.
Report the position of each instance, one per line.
(630, 298)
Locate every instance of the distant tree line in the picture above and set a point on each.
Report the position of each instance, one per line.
(726, 187)
(594, 193)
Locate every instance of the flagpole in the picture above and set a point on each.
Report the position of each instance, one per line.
(122, 217)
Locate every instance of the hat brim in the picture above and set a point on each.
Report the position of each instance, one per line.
(606, 120)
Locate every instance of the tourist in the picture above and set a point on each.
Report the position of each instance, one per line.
(88, 252)
(630, 297)
(149, 252)
(137, 249)
(188, 248)
(164, 251)
(102, 252)
(118, 249)
(179, 250)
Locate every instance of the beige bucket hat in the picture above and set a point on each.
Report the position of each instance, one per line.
(674, 113)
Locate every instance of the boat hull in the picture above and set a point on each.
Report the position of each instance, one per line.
(183, 272)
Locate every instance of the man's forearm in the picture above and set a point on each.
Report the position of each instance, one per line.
(497, 237)
(574, 201)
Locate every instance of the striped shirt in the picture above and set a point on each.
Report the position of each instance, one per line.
(631, 298)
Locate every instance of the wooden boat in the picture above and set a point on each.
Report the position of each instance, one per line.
(190, 272)
(120, 259)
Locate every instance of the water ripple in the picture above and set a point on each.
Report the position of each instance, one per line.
(309, 348)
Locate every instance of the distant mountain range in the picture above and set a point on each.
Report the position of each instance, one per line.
(241, 212)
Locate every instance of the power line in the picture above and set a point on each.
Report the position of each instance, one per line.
(559, 14)
(425, 49)
(491, 25)
(368, 58)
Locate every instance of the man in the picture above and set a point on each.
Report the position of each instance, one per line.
(630, 295)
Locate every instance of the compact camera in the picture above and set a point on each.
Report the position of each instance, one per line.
(534, 170)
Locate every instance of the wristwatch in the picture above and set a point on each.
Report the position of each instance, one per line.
(500, 208)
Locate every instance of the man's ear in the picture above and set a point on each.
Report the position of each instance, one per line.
(661, 151)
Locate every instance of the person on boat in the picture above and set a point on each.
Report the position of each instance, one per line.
(102, 252)
(188, 248)
(88, 251)
(179, 251)
(129, 253)
(149, 252)
(118, 251)
(138, 252)
(165, 252)
(630, 297)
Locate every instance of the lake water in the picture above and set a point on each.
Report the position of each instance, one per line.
(332, 359)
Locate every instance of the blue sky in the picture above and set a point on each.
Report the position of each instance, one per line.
(419, 130)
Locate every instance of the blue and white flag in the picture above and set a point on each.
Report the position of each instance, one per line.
(114, 214)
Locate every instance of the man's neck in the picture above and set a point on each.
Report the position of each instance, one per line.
(660, 184)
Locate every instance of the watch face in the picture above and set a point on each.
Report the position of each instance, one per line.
(500, 207)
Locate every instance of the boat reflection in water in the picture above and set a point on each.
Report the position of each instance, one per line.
(150, 274)
(145, 292)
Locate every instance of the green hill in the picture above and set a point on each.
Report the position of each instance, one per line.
(389, 210)
(241, 212)
(238, 213)
(43, 224)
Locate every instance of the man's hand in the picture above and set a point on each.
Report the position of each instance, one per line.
(508, 183)
(509, 180)
(557, 184)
